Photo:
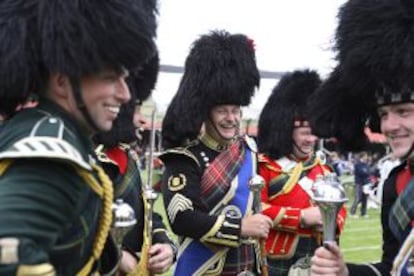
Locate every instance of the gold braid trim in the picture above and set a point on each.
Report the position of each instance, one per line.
(293, 179)
(106, 193)
(4, 164)
(44, 269)
(141, 268)
(315, 162)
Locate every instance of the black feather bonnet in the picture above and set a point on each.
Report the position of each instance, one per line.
(285, 107)
(75, 38)
(220, 69)
(375, 53)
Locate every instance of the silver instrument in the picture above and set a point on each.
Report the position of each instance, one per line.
(329, 195)
(256, 184)
(123, 220)
(148, 193)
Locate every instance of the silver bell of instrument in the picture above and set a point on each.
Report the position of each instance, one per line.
(123, 220)
(329, 195)
(256, 184)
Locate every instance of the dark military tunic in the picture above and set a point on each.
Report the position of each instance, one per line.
(189, 211)
(390, 244)
(121, 166)
(48, 213)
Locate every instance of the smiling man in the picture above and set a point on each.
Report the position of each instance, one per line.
(205, 183)
(289, 166)
(373, 83)
(55, 199)
(120, 161)
(224, 122)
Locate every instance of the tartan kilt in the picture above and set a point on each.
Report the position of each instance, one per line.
(279, 267)
(240, 259)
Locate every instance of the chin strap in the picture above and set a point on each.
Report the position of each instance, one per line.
(77, 93)
(298, 148)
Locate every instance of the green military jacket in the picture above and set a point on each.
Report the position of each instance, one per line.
(49, 211)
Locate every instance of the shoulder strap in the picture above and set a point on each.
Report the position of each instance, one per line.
(179, 151)
(45, 147)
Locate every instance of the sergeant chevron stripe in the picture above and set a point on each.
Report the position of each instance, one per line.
(177, 204)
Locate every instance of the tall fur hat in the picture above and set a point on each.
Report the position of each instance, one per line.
(375, 44)
(141, 82)
(76, 38)
(220, 69)
(285, 107)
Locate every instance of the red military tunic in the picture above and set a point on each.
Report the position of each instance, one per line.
(286, 193)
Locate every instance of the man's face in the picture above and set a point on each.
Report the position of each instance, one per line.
(103, 94)
(304, 141)
(139, 120)
(397, 124)
(224, 122)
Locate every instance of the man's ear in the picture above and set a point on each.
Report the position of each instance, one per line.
(59, 84)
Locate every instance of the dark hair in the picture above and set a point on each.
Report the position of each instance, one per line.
(75, 38)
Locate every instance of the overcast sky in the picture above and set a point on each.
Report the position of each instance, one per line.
(289, 35)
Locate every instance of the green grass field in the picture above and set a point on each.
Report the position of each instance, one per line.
(360, 241)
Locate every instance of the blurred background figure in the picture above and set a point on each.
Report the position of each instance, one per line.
(362, 181)
(385, 165)
(340, 165)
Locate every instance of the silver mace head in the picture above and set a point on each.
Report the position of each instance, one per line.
(329, 195)
(256, 184)
(123, 220)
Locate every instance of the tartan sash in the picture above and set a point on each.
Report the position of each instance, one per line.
(217, 177)
(402, 212)
(195, 257)
(130, 178)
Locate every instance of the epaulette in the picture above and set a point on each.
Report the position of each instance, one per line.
(46, 140)
(45, 147)
(102, 156)
(192, 143)
(181, 151)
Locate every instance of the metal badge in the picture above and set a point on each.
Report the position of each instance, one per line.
(177, 182)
